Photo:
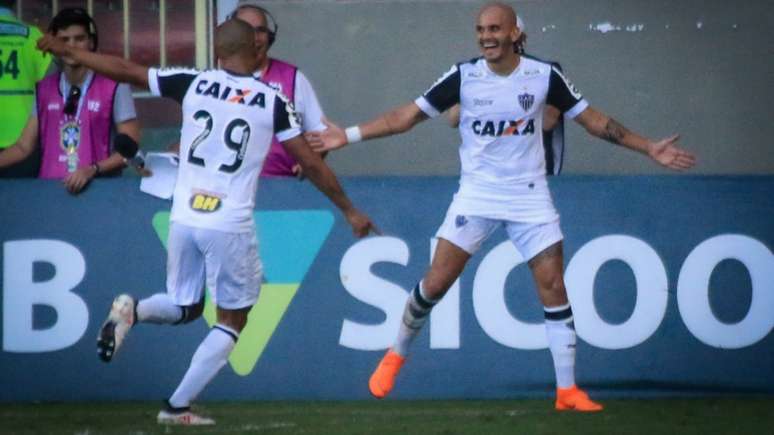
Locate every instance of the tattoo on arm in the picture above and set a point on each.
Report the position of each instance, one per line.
(614, 132)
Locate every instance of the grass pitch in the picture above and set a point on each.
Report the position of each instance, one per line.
(654, 416)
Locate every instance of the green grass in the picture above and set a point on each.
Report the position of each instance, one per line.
(654, 416)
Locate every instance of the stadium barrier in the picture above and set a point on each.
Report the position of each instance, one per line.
(671, 280)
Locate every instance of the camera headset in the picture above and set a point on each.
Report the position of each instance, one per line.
(79, 17)
(270, 21)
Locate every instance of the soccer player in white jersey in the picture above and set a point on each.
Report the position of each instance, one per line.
(229, 118)
(503, 182)
(553, 122)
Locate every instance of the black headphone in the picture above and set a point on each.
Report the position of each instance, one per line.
(76, 16)
(273, 27)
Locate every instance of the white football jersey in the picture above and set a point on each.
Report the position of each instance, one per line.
(501, 122)
(227, 128)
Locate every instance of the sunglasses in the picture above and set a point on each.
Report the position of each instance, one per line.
(71, 105)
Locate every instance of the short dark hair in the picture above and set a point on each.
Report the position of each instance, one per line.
(7, 3)
(233, 37)
(75, 17)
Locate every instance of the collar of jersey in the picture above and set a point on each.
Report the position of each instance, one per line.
(235, 74)
(494, 74)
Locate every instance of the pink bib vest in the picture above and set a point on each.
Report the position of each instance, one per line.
(76, 141)
(278, 162)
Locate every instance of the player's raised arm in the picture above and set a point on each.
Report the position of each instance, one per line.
(325, 180)
(568, 100)
(665, 151)
(117, 68)
(397, 120)
(444, 94)
(286, 129)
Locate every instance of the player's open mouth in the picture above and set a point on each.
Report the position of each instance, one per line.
(489, 45)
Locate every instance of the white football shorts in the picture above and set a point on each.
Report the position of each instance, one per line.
(470, 232)
(229, 262)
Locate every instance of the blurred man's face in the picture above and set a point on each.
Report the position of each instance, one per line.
(257, 20)
(496, 34)
(73, 36)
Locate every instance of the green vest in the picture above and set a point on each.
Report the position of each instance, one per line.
(21, 66)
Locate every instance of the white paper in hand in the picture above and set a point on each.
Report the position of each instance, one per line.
(163, 167)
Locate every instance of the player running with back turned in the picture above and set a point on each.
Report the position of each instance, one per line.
(229, 118)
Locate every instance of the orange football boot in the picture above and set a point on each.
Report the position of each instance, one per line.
(383, 378)
(575, 399)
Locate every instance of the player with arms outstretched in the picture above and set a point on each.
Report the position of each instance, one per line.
(229, 118)
(503, 182)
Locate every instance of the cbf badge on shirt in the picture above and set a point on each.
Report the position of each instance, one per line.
(70, 134)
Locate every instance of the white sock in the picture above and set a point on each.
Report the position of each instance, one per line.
(561, 340)
(418, 307)
(160, 309)
(207, 361)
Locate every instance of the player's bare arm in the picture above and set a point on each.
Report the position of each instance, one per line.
(117, 68)
(550, 117)
(324, 179)
(398, 120)
(453, 116)
(665, 151)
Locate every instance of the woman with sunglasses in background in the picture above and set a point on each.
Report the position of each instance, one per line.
(76, 114)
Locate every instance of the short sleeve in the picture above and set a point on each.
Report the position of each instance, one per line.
(564, 95)
(171, 82)
(286, 125)
(444, 94)
(123, 104)
(307, 105)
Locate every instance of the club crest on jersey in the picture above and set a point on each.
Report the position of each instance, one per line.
(526, 101)
(232, 95)
(503, 128)
(204, 203)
